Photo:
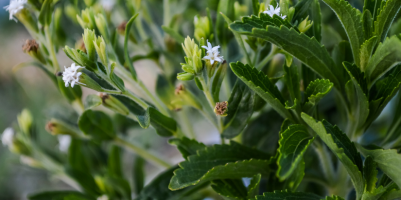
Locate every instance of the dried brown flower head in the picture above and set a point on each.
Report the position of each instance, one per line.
(30, 45)
(221, 108)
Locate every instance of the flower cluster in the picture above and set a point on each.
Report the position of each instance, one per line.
(213, 53)
(271, 11)
(71, 75)
(14, 7)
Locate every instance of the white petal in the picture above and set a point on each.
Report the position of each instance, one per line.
(66, 83)
(7, 136)
(211, 61)
(72, 83)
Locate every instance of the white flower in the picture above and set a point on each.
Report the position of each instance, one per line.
(213, 53)
(14, 7)
(8, 136)
(71, 75)
(274, 11)
(64, 142)
(108, 4)
(103, 197)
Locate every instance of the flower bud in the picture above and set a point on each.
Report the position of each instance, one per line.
(240, 10)
(113, 104)
(101, 25)
(25, 121)
(187, 97)
(10, 139)
(121, 28)
(80, 58)
(58, 127)
(202, 28)
(197, 62)
(80, 45)
(184, 76)
(26, 18)
(32, 48)
(87, 19)
(188, 68)
(27, 160)
(89, 37)
(72, 12)
(86, 81)
(305, 25)
(221, 108)
(100, 46)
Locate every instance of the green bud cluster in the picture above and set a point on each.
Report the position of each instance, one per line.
(193, 61)
(87, 19)
(305, 25)
(202, 28)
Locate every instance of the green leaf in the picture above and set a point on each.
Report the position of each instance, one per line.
(86, 181)
(361, 105)
(261, 84)
(334, 197)
(96, 124)
(187, 146)
(173, 34)
(351, 20)
(296, 177)
(139, 174)
(315, 92)
(366, 52)
(389, 161)
(367, 23)
(253, 187)
(285, 195)
(158, 188)
(220, 162)
(261, 133)
(76, 159)
(342, 147)
(46, 13)
(240, 109)
(316, 17)
(92, 101)
(165, 126)
(293, 81)
(392, 195)
(386, 17)
(114, 162)
(370, 174)
(61, 195)
(126, 52)
(387, 55)
(307, 50)
(232, 189)
(217, 80)
(165, 91)
(383, 91)
(293, 144)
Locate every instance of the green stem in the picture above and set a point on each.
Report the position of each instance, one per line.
(144, 153)
(326, 163)
(51, 49)
(265, 60)
(162, 109)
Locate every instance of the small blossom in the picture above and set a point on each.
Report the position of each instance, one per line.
(71, 75)
(64, 142)
(213, 53)
(14, 7)
(107, 4)
(274, 11)
(103, 197)
(8, 136)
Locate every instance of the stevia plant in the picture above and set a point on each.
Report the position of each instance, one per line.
(297, 119)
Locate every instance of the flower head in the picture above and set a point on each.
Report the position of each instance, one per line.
(221, 108)
(71, 75)
(14, 7)
(64, 142)
(213, 53)
(8, 136)
(274, 11)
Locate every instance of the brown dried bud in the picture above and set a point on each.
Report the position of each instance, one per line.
(179, 89)
(30, 45)
(103, 96)
(59, 74)
(221, 108)
(121, 28)
(81, 45)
